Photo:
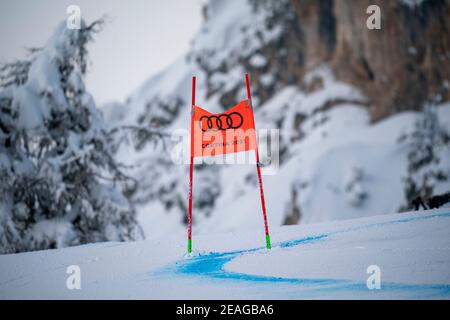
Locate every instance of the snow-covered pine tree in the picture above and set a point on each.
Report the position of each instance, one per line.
(59, 183)
(429, 151)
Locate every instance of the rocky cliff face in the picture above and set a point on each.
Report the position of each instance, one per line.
(398, 67)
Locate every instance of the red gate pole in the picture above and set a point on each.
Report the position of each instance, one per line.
(191, 170)
(258, 168)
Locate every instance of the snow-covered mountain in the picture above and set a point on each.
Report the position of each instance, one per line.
(345, 152)
(363, 125)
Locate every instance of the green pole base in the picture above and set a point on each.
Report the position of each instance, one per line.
(268, 246)
(189, 245)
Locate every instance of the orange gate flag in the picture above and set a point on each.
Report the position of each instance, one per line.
(228, 132)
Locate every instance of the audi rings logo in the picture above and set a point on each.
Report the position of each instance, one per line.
(233, 120)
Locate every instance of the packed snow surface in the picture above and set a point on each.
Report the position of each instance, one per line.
(314, 261)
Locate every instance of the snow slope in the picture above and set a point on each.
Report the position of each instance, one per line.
(315, 261)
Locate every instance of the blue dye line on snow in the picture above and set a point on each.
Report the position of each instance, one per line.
(211, 265)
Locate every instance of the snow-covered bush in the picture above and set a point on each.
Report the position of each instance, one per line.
(59, 183)
(428, 157)
(353, 186)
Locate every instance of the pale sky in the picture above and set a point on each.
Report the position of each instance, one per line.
(142, 37)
